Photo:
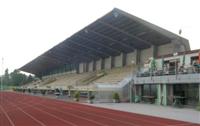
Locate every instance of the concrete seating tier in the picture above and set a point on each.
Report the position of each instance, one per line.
(69, 79)
(115, 75)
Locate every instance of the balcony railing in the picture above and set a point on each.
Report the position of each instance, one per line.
(172, 75)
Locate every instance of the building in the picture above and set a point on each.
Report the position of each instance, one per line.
(104, 56)
(176, 77)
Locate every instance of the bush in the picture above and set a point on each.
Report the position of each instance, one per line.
(116, 96)
(77, 95)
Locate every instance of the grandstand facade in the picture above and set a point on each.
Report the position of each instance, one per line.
(105, 56)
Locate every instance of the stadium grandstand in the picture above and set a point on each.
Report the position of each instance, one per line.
(104, 57)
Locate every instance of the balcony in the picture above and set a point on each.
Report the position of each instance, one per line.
(173, 76)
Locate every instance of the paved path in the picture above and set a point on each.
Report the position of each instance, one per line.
(184, 114)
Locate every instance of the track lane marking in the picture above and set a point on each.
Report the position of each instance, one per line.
(75, 116)
(92, 114)
(91, 111)
(56, 117)
(86, 106)
(135, 118)
(7, 116)
(33, 118)
(109, 118)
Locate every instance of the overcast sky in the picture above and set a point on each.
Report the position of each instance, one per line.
(30, 27)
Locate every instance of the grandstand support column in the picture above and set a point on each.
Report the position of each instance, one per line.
(112, 62)
(77, 69)
(107, 63)
(94, 65)
(86, 67)
(154, 50)
(102, 63)
(81, 67)
(134, 94)
(124, 57)
(137, 58)
(132, 91)
(164, 94)
(171, 93)
(158, 94)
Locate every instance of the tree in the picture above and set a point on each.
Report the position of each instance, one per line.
(18, 78)
(29, 79)
(6, 78)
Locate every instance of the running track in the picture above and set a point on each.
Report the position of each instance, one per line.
(24, 110)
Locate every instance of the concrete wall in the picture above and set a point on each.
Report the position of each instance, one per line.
(165, 49)
(81, 69)
(108, 63)
(90, 67)
(130, 57)
(118, 61)
(145, 55)
(98, 64)
(188, 57)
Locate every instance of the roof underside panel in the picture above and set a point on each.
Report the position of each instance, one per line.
(112, 34)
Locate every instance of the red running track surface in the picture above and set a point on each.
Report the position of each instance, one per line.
(24, 110)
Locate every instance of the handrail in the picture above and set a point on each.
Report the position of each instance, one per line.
(170, 71)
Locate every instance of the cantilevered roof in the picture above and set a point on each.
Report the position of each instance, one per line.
(110, 35)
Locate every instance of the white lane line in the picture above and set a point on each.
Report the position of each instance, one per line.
(38, 121)
(74, 115)
(7, 116)
(52, 115)
(109, 118)
(14, 108)
(92, 110)
(65, 121)
(118, 115)
(128, 123)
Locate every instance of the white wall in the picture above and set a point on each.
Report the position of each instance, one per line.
(98, 64)
(165, 49)
(188, 57)
(145, 55)
(90, 67)
(81, 65)
(108, 63)
(118, 61)
(130, 57)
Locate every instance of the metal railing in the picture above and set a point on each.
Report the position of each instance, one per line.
(170, 71)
